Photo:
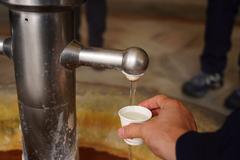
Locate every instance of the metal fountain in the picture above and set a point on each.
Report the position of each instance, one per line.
(45, 57)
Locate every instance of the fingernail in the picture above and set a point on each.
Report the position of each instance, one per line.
(121, 132)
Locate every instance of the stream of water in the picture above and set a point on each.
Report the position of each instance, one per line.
(133, 88)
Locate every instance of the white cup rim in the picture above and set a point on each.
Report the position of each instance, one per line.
(139, 109)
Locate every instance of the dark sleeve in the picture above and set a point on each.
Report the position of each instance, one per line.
(223, 144)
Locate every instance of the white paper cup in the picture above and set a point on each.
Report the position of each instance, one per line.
(134, 114)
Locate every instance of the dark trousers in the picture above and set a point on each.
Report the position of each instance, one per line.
(219, 26)
(220, 145)
(96, 12)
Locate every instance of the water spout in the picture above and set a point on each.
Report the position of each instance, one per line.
(133, 61)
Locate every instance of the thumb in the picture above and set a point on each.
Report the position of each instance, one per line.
(131, 131)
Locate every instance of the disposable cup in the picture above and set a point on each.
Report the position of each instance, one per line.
(134, 114)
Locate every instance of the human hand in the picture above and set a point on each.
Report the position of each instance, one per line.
(171, 120)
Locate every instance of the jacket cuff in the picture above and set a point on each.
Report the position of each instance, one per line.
(197, 146)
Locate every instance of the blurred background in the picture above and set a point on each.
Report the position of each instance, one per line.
(171, 32)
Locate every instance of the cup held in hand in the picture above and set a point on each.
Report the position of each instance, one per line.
(134, 114)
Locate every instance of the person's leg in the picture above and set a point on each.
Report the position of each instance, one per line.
(219, 25)
(77, 23)
(96, 11)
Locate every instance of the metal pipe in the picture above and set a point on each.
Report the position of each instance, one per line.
(6, 47)
(132, 61)
(1, 44)
(104, 58)
(46, 90)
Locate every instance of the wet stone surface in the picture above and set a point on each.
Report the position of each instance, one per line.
(85, 154)
(97, 107)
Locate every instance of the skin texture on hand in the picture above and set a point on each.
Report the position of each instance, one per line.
(170, 120)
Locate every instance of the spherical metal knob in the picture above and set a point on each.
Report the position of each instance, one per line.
(135, 61)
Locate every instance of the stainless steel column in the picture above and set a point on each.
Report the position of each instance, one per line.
(1, 43)
(42, 34)
(46, 89)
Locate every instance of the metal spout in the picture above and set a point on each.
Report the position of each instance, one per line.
(132, 61)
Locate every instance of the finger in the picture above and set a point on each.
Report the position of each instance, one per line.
(168, 103)
(153, 103)
(130, 131)
(155, 112)
(150, 103)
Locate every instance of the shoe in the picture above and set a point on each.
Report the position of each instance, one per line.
(232, 102)
(199, 85)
